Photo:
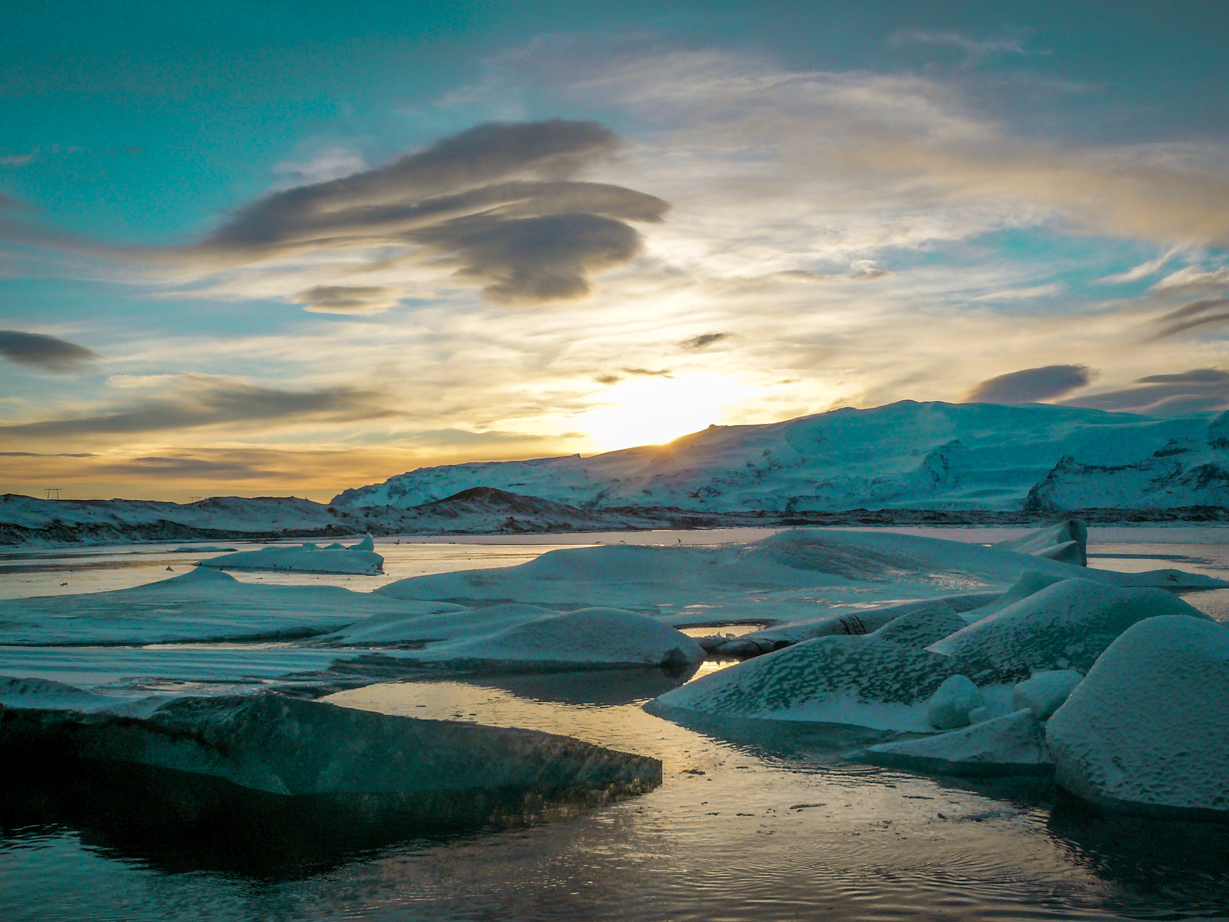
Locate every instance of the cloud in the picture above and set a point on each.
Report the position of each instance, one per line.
(497, 204)
(173, 466)
(1194, 279)
(38, 454)
(1142, 271)
(1190, 316)
(347, 299)
(704, 340)
(1195, 391)
(211, 402)
(974, 47)
(46, 352)
(7, 201)
(648, 372)
(1031, 385)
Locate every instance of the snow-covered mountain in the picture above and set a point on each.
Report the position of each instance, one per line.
(906, 455)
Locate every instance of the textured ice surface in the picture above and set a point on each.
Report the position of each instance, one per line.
(305, 558)
(50, 695)
(922, 625)
(605, 636)
(1148, 728)
(1045, 692)
(950, 705)
(1064, 626)
(1009, 744)
(199, 605)
(287, 746)
(858, 681)
(1067, 541)
(1030, 581)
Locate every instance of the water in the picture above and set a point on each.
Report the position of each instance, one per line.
(751, 822)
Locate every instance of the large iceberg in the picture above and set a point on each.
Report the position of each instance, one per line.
(858, 681)
(794, 576)
(1067, 541)
(359, 558)
(1064, 626)
(292, 747)
(1147, 731)
(200, 605)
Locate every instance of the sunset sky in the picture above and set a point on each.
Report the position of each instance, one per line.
(285, 247)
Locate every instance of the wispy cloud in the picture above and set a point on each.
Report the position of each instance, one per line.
(1195, 391)
(1211, 312)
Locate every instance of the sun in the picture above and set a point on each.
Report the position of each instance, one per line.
(652, 411)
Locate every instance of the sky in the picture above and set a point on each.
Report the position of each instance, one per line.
(294, 247)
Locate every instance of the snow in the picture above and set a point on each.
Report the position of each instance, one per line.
(1044, 693)
(290, 747)
(305, 558)
(944, 456)
(857, 681)
(1011, 744)
(1064, 626)
(950, 705)
(1147, 731)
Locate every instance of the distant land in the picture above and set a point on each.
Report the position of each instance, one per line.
(904, 463)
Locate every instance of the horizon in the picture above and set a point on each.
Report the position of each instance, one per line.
(314, 246)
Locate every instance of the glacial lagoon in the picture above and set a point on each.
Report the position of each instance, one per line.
(758, 820)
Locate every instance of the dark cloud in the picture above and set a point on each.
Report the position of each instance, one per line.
(44, 351)
(651, 372)
(607, 379)
(496, 201)
(704, 340)
(346, 299)
(1030, 385)
(211, 402)
(38, 454)
(7, 201)
(1195, 391)
(1190, 316)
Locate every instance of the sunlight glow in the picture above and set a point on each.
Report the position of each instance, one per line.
(652, 411)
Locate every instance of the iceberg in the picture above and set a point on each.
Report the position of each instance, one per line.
(857, 681)
(922, 625)
(952, 703)
(1045, 692)
(201, 605)
(794, 576)
(1147, 731)
(1065, 626)
(359, 559)
(1067, 542)
(1011, 744)
(291, 747)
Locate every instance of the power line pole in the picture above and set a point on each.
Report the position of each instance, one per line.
(50, 490)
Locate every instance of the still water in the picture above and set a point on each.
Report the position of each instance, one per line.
(750, 823)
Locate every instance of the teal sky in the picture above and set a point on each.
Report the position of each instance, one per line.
(296, 247)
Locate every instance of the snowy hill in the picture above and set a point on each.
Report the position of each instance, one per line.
(906, 455)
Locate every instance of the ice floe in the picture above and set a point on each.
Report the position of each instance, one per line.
(1044, 693)
(859, 681)
(949, 707)
(359, 558)
(290, 747)
(1147, 731)
(1066, 542)
(199, 605)
(1013, 743)
(1064, 626)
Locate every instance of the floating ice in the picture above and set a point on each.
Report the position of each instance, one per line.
(1030, 581)
(1064, 626)
(923, 625)
(305, 558)
(1067, 542)
(1147, 731)
(597, 636)
(1014, 743)
(858, 681)
(1045, 692)
(794, 576)
(287, 746)
(949, 707)
(197, 606)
